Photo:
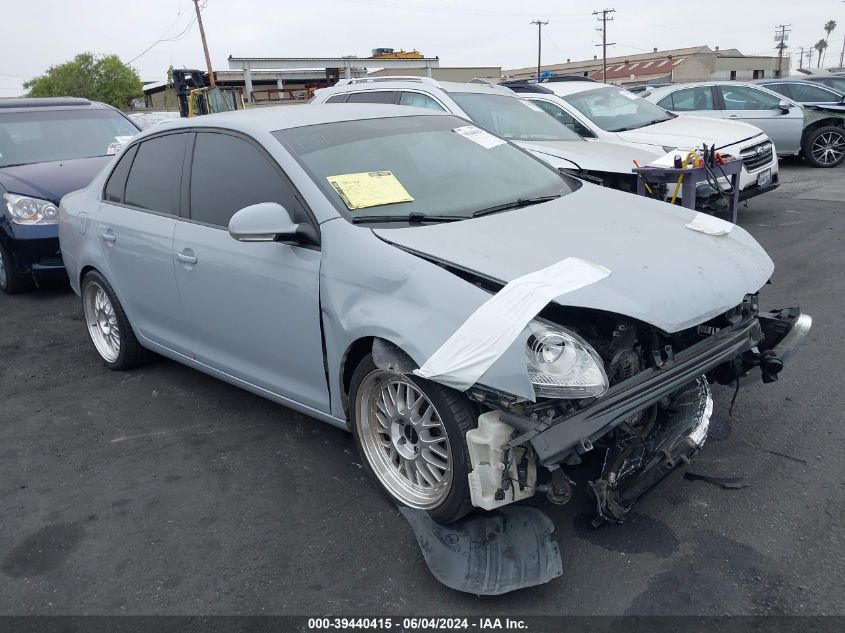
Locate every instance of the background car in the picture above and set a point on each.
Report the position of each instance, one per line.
(837, 82)
(335, 260)
(48, 147)
(610, 113)
(804, 92)
(503, 113)
(816, 134)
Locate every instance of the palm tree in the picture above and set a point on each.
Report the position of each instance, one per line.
(820, 46)
(828, 28)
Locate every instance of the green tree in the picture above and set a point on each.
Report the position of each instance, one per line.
(101, 78)
(828, 28)
(820, 46)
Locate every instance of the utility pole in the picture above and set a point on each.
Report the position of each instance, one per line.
(780, 38)
(801, 58)
(205, 45)
(604, 20)
(540, 24)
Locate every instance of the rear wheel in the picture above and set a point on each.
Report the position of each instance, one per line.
(12, 282)
(108, 326)
(824, 147)
(411, 434)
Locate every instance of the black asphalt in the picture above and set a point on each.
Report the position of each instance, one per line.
(164, 491)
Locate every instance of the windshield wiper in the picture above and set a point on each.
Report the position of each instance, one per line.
(411, 217)
(516, 204)
(639, 125)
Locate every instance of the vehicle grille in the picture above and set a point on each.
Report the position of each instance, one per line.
(757, 156)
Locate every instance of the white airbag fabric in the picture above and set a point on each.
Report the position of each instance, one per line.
(464, 357)
(710, 225)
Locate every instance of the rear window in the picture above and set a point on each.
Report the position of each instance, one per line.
(41, 136)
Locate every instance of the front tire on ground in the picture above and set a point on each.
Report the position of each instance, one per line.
(108, 326)
(12, 282)
(825, 146)
(411, 434)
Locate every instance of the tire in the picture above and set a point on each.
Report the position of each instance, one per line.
(12, 282)
(107, 325)
(441, 415)
(824, 147)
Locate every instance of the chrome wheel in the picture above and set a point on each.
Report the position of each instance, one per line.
(404, 440)
(101, 321)
(829, 147)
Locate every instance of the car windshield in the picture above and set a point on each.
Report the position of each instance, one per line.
(448, 168)
(617, 110)
(512, 118)
(40, 136)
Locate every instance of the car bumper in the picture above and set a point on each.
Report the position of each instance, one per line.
(754, 189)
(34, 249)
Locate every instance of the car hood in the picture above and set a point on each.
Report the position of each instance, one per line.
(689, 132)
(662, 273)
(51, 181)
(592, 156)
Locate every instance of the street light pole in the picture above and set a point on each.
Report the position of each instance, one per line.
(540, 24)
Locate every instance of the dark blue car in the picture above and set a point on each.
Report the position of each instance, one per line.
(48, 147)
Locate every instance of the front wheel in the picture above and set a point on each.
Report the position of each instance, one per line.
(411, 435)
(11, 281)
(108, 326)
(824, 147)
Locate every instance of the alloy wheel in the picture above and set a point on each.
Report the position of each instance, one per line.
(404, 440)
(102, 321)
(828, 148)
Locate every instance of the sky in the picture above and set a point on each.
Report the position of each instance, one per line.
(39, 33)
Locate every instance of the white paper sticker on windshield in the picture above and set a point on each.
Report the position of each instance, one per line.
(477, 135)
(710, 225)
(531, 105)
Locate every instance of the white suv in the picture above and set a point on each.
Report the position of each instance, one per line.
(501, 111)
(610, 113)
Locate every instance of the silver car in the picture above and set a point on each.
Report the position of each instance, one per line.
(480, 323)
(814, 132)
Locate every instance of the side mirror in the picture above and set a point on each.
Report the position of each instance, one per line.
(269, 222)
(784, 107)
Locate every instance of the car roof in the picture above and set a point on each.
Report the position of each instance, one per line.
(414, 83)
(46, 103)
(564, 88)
(273, 118)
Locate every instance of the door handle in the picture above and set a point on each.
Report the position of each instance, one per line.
(108, 236)
(186, 257)
(734, 116)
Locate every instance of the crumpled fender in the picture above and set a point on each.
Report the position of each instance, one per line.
(371, 288)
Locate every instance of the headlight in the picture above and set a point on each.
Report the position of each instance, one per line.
(563, 365)
(26, 210)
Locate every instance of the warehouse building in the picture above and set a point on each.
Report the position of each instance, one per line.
(697, 63)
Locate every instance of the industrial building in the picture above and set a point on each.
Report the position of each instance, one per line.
(696, 63)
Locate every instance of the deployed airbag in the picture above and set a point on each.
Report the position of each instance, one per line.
(464, 357)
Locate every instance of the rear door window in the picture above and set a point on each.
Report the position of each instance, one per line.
(229, 173)
(337, 99)
(373, 96)
(155, 179)
(419, 100)
(116, 184)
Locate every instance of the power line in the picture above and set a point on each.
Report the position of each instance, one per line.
(161, 38)
(604, 20)
(540, 24)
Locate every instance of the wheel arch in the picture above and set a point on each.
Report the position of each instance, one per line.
(387, 353)
(833, 121)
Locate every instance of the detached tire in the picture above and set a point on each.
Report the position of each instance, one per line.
(411, 434)
(824, 147)
(108, 326)
(12, 282)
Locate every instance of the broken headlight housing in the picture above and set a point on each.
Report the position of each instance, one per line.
(26, 210)
(563, 365)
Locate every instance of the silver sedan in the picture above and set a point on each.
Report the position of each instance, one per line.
(479, 322)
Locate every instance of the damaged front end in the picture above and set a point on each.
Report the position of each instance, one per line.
(653, 418)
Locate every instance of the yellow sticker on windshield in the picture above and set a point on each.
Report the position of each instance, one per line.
(369, 189)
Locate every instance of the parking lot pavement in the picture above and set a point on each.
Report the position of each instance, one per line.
(164, 491)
